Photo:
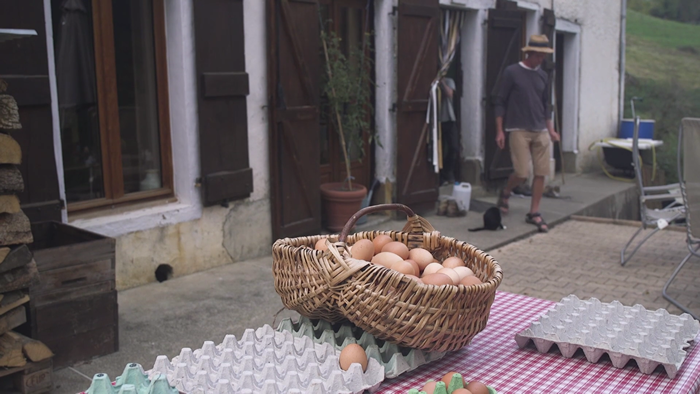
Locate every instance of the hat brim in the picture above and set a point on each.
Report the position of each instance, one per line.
(538, 49)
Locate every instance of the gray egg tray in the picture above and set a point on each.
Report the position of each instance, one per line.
(648, 337)
(395, 359)
(265, 361)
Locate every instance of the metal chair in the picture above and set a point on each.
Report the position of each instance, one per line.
(651, 218)
(689, 176)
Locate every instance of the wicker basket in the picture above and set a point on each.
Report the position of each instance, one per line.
(333, 286)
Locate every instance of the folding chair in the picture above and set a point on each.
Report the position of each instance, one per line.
(651, 217)
(689, 149)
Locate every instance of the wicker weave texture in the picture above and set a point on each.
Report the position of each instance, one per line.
(331, 285)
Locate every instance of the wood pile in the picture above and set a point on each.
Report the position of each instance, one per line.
(18, 270)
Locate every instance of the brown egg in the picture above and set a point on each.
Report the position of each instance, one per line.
(429, 387)
(416, 267)
(470, 280)
(432, 268)
(437, 279)
(462, 391)
(403, 267)
(421, 256)
(353, 353)
(477, 387)
(463, 272)
(413, 277)
(452, 262)
(452, 274)
(448, 377)
(386, 259)
(380, 241)
(398, 248)
(363, 250)
(321, 244)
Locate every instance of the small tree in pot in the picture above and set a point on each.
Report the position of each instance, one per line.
(347, 85)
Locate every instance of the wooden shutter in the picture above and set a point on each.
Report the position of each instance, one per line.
(294, 74)
(222, 85)
(505, 40)
(416, 179)
(24, 65)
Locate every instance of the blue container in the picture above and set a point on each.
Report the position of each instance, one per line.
(646, 129)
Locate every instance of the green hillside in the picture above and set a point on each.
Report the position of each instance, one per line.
(663, 32)
(663, 67)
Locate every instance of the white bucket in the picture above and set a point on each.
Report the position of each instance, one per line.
(462, 194)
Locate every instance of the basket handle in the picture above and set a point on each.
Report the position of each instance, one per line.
(371, 209)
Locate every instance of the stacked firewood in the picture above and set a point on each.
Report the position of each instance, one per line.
(18, 270)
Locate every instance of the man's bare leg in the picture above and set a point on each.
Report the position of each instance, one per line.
(513, 181)
(537, 191)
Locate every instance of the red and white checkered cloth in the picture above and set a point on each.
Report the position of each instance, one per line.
(494, 358)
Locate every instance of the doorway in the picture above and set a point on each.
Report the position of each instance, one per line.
(454, 73)
(558, 96)
(350, 20)
(567, 56)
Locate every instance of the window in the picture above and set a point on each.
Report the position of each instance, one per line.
(112, 96)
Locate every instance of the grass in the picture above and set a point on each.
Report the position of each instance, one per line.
(662, 59)
(669, 34)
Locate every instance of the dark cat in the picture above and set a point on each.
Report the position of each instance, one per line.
(164, 272)
(492, 220)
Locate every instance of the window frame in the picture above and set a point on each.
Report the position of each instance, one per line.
(108, 109)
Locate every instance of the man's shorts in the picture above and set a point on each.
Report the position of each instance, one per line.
(526, 146)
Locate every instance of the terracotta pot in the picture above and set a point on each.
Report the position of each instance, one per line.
(340, 204)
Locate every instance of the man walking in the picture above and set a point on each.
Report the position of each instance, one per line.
(523, 110)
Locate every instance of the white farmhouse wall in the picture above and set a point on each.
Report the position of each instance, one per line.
(182, 233)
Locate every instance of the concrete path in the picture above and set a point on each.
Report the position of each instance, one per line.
(575, 257)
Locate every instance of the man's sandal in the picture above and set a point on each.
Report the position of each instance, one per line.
(541, 224)
(502, 202)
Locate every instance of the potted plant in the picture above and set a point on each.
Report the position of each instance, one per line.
(347, 86)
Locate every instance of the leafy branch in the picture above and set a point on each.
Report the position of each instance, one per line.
(348, 87)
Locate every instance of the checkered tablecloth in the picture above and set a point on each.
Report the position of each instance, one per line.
(494, 358)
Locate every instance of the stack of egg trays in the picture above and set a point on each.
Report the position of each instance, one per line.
(649, 337)
(132, 381)
(268, 362)
(395, 359)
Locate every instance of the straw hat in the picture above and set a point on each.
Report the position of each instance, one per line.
(538, 43)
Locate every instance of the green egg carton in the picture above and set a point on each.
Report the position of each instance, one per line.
(395, 359)
(457, 382)
(132, 381)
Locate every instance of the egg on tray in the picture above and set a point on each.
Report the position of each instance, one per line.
(351, 354)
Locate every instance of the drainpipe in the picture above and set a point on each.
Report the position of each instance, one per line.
(623, 45)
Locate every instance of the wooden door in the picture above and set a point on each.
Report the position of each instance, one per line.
(293, 87)
(24, 66)
(505, 40)
(416, 180)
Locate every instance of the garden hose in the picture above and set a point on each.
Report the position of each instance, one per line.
(613, 144)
